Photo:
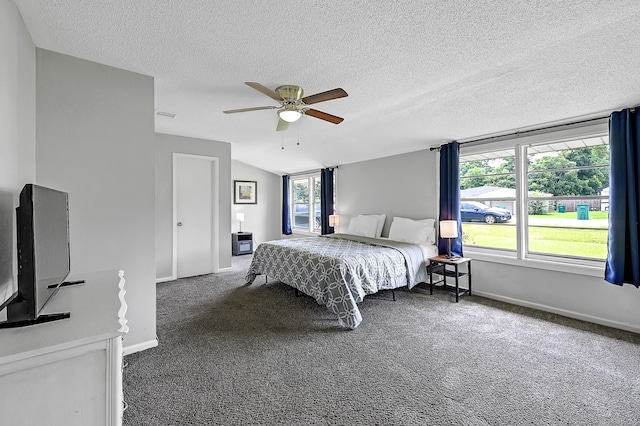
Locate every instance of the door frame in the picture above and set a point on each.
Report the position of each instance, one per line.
(215, 210)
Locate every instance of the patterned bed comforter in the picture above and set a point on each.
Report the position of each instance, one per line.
(339, 270)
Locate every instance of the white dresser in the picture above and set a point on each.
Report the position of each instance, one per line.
(68, 372)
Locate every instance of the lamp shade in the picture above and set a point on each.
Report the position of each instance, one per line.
(289, 115)
(240, 217)
(334, 220)
(449, 228)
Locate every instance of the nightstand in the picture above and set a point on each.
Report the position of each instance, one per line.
(241, 243)
(450, 268)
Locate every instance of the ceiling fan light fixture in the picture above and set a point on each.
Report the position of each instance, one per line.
(289, 115)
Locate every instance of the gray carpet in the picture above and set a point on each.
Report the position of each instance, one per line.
(232, 354)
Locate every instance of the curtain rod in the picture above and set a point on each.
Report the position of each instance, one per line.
(306, 172)
(522, 132)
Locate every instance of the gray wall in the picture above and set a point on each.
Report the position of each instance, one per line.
(17, 133)
(402, 185)
(264, 218)
(165, 146)
(578, 296)
(406, 185)
(95, 140)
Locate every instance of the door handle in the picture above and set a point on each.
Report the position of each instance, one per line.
(179, 223)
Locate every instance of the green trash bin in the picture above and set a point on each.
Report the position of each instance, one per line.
(583, 211)
(562, 209)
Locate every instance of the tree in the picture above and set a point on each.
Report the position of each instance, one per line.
(570, 182)
(505, 174)
(538, 206)
(482, 165)
(317, 190)
(550, 172)
(474, 182)
(300, 193)
(595, 179)
(502, 168)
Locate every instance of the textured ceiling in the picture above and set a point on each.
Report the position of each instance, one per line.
(417, 72)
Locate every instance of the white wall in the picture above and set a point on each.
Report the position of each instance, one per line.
(165, 146)
(17, 133)
(95, 140)
(263, 219)
(401, 185)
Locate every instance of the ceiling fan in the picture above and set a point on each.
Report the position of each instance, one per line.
(293, 105)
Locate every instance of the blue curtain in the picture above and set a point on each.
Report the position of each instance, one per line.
(450, 194)
(623, 257)
(286, 211)
(326, 200)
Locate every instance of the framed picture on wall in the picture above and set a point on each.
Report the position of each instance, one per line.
(245, 192)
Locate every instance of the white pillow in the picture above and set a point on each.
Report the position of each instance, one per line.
(380, 218)
(362, 225)
(412, 231)
(431, 239)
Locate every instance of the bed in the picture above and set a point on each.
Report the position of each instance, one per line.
(339, 270)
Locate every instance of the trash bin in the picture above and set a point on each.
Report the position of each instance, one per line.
(562, 209)
(583, 211)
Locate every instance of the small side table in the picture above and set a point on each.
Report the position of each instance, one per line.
(241, 243)
(439, 264)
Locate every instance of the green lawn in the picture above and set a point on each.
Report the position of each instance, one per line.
(593, 215)
(549, 238)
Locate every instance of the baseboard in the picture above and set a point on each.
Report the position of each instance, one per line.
(139, 347)
(172, 278)
(563, 312)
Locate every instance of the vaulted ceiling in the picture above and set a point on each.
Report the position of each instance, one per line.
(418, 73)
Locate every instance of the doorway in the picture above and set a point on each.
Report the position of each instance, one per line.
(195, 215)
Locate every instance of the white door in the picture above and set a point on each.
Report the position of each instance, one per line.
(194, 213)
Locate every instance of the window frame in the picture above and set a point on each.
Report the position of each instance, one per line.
(518, 142)
(310, 178)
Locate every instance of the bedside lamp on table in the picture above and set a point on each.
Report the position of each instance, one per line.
(449, 230)
(240, 219)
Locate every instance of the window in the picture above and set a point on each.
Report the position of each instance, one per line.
(544, 197)
(567, 212)
(306, 198)
(488, 200)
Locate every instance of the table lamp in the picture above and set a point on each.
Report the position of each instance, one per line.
(240, 219)
(449, 230)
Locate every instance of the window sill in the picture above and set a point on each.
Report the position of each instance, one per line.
(596, 269)
(304, 233)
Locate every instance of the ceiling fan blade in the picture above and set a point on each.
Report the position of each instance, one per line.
(324, 116)
(233, 111)
(282, 125)
(260, 88)
(324, 96)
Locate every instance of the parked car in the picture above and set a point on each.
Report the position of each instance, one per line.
(301, 215)
(473, 211)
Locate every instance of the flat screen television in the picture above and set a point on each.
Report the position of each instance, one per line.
(42, 221)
